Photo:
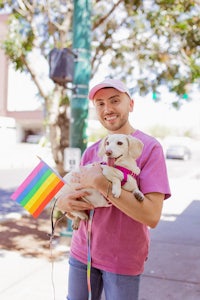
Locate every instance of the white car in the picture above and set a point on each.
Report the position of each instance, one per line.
(178, 152)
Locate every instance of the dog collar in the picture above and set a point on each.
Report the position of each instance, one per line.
(125, 171)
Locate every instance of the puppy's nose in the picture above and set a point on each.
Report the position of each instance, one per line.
(108, 152)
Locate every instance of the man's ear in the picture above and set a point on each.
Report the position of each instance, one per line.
(135, 146)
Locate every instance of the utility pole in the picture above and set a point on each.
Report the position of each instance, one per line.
(82, 73)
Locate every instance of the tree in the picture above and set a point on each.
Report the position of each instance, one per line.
(147, 42)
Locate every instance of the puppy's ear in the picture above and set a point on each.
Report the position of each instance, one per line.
(101, 151)
(135, 146)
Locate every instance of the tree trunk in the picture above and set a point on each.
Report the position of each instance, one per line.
(58, 123)
(59, 138)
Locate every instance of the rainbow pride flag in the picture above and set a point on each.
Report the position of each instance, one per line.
(38, 189)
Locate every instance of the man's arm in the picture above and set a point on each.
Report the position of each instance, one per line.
(147, 212)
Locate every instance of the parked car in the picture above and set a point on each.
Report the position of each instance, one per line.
(33, 138)
(178, 152)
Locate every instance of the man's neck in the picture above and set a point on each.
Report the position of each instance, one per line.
(129, 130)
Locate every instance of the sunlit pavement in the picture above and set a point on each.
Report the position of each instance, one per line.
(172, 269)
(31, 278)
(26, 277)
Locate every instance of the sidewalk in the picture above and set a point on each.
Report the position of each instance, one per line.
(173, 269)
(171, 272)
(31, 278)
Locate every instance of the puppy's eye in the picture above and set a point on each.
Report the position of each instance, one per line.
(107, 143)
(119, 143)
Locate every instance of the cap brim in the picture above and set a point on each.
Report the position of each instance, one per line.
(97, 87)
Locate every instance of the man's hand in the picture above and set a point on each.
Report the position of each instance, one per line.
(73, 201)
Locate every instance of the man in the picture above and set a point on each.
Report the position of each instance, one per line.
(120, 237)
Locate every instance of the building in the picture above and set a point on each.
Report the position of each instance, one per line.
(24, 122)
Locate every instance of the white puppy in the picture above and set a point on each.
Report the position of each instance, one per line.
(119, 153)
(93, 197)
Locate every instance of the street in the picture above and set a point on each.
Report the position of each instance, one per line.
(23, 159)
(172, 269)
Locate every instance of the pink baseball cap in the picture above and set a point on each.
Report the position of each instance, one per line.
(113, 83)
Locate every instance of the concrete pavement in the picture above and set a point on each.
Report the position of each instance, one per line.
(31, 278)
(173, 269)
(171, 272)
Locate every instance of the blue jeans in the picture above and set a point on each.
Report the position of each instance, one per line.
(115, 286)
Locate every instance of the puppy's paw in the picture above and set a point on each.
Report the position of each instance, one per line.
(138, 195)
(77, 217)
(76, 223)
(116, 192)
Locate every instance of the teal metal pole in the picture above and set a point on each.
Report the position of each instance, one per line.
(82, 73)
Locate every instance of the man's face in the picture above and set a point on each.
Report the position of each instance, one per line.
(113, 109)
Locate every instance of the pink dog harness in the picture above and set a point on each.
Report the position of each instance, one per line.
(125, 171)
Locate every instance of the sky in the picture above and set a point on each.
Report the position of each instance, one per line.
(22, 95)
(21, 92)
(147, 113)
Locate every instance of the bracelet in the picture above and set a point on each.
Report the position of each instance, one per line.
(108, 189)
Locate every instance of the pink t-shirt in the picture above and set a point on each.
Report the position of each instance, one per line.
(120, 244)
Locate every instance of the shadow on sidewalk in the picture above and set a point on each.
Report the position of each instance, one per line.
(172, 270)
(20, 232)
(7, 205)
(181, 229)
